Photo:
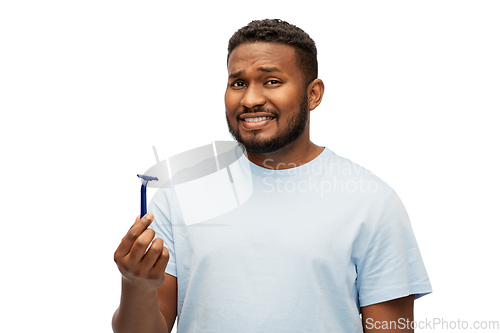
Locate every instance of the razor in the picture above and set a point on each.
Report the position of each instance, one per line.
(144, 202)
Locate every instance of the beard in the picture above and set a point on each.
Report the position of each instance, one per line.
(296, 125)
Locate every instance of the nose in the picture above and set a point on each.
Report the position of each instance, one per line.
(253, 97)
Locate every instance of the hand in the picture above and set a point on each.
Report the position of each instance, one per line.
(142, 269)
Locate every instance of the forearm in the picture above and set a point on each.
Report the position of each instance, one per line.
(138, 312)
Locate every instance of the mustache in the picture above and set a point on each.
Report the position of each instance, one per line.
(258, 109)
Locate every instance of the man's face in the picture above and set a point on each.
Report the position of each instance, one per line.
(266, 99)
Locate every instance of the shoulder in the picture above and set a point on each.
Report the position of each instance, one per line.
(354, 179)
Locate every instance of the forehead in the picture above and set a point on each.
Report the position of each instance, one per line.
(249, 56)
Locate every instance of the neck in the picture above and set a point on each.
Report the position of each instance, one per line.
(293, 155)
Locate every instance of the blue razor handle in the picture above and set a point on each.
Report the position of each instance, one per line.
(144, 201)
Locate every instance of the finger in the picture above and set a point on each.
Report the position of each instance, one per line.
(161, 264)
(137, 218)
(134, 232)
(140, 245)
(152, 254)
(125, 244)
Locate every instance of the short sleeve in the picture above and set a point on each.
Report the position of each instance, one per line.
(162, 226)
(391, 265)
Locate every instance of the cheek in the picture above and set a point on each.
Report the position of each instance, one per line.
(231, 101)
(286, 99)
(284, 105)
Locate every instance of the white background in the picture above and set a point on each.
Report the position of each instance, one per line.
(87, 87)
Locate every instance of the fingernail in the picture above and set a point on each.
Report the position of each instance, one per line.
(149, 216)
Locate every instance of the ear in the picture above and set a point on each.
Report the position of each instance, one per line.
(315, 92)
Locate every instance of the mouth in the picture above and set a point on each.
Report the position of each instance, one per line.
(255, 121)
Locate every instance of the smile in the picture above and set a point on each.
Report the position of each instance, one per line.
(256, 122)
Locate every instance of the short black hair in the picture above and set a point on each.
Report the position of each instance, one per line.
(278, 31)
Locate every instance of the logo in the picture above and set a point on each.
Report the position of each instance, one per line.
(209, 181)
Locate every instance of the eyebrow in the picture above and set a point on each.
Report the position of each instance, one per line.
(262, 69)
(235, 75)
(269, 69)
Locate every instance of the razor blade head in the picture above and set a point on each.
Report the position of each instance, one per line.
(147, 178)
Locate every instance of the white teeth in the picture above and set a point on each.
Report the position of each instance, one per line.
(252, 120)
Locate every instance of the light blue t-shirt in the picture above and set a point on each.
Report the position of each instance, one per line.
(302, 252)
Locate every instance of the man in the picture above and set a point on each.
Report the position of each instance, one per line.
(320, 240)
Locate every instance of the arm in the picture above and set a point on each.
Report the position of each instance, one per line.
(394, 316)
(167, 299)
(149, 295)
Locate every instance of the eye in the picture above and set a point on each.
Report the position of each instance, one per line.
(273, 82)
(238, 84)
